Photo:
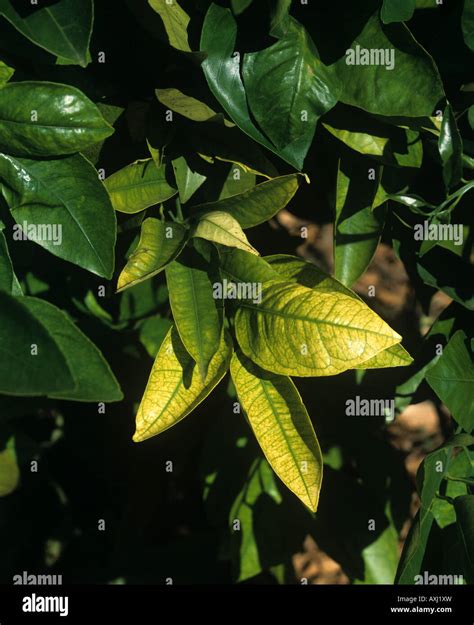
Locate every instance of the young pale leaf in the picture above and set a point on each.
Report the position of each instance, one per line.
(8, 280)
(197, 314)
(66, 209)
(397, 10)
(138, 186)
(175, 21)
(9, 471)
(297, 331)
(282, 427)
(289, 89)
(175, 388)
(160, 243)
(63, 28)
(94, 380)
(6, 73)
(48, 119)
(189, 107)
(259, 204)
(221, 227)
(452, 379)
(188, 181)
(40, 367)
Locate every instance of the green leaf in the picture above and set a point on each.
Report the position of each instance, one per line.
(288, 90)
(280, 21)
(238, 181)
(452, 379)
(358, 228)
(257, 205)
(429, 477)
(450, 149)
(188, 180)
(465, 516)
(397, 10)
(222, 71)
(138, 186)
(377, 89)
(8, 280)
(467, 23)
(63, 29)
(6, 73)
(189, 107)
(153, 332)
(282, 427)
(32, 363)
(198, 315)
(9, 470)
(63, 193)
(176, 22)
(297, 331)
(48, 119)
(175, 388)
(160, 243)
(221, 227)
(94, 380)
(381, 558)
(239, 6)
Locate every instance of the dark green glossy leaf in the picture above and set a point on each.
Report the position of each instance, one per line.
(32, 363)
(289, 89)
(397, 10)
(450, 149)
(92, 375)
(65, 194)
(63, 28)
(358, 227)
(452, 379)
(48, 119)
(8, 280)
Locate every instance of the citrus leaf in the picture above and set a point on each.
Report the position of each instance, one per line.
(8, 280)
(175, 388)
(450, 149)
(9, 471)
(160, 243)
(48, 119)
(188, 181)
(452, 379)
(464, 506)
(282, 427)
(197, 314)
(397, 10)
(138, 186)
(94, 380)
(189, 107)
(221, 227)
(63, 29)
(6, 73)
(289, 89)
(65, 193)
(175, 21)
(257, 205)
(467, 23)
(32, 362)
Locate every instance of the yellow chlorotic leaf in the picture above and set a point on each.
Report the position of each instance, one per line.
(221, 227)
(282, 427)
(396, 356)
(297, 331)
(307, 274)
(9, 472)
(160, 243)
(189, 107)
(175, 21)
(175, 387)
(258, 204)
